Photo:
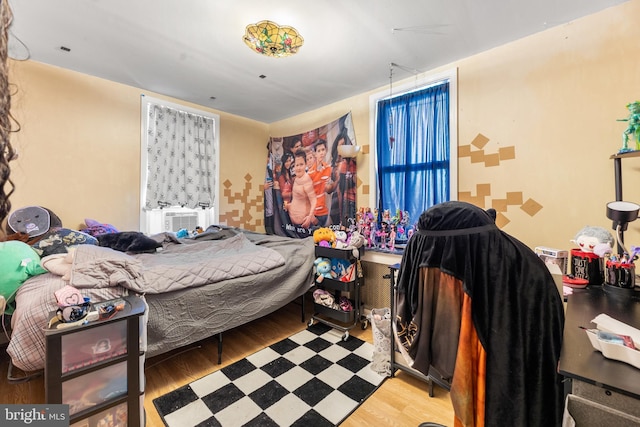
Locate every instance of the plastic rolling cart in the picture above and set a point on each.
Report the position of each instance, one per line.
(347, 320)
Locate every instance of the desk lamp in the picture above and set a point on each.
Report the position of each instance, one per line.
(622, 213)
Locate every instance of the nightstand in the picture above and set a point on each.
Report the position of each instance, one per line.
(97, 367)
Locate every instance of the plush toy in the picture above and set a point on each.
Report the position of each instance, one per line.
(339, 267)
(592, 239)
(356, 240)
(18, 262)
(341, 239)
(324, 236)
(182, 233)
(322, 297)
(31, 223)
(323, 268)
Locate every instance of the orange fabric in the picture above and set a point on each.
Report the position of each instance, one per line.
(469, 380)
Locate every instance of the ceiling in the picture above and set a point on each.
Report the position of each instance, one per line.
(193, 49)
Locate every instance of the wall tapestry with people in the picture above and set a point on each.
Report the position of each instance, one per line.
(308, 183)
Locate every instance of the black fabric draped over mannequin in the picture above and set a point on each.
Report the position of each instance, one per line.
(516, 310)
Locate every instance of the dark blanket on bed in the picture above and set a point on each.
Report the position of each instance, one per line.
(516, 309)
(129, 241)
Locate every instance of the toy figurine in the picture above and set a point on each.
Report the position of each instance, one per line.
(386, 216)
(383, 235)
(633, 128)
(392, 237)
(366, 232)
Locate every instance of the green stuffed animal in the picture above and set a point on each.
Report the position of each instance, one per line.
(18, 262)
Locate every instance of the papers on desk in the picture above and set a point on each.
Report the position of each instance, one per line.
(609, 339)
(609, 324)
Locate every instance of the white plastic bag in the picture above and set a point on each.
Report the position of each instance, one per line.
(380, 319)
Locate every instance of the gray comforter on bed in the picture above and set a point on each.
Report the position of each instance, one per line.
(177, 266)
(190, 315)
(194, 288)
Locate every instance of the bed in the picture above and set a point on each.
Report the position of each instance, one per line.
(194, 288)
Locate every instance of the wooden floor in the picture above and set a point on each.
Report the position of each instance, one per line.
(400, 401)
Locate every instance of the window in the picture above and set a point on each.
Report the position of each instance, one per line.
(179, 173)
(415, 146)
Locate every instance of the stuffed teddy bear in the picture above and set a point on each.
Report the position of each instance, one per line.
(323, 268)
(324, 236)
(18, 262)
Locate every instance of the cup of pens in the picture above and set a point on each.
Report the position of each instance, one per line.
(620, 273)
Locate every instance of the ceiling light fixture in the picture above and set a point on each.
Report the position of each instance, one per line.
(270, 39)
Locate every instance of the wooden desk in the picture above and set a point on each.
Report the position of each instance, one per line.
(595, 378)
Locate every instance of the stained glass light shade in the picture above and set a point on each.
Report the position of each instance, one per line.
(270, 39)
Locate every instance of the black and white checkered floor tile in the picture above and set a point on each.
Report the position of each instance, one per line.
(312, 378)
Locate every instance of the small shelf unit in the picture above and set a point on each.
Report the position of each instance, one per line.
(97, 367)
(327, 315)
(617, 171)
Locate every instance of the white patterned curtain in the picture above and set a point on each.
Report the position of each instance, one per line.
(181, 159)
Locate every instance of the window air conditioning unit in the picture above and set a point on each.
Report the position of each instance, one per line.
(175, 221)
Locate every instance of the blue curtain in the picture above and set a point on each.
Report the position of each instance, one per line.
(413, 151)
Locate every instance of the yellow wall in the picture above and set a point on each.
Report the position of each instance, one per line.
(537, 125)
(555, 97)
(79, 149)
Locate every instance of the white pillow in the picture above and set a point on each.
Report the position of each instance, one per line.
(57, 264)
